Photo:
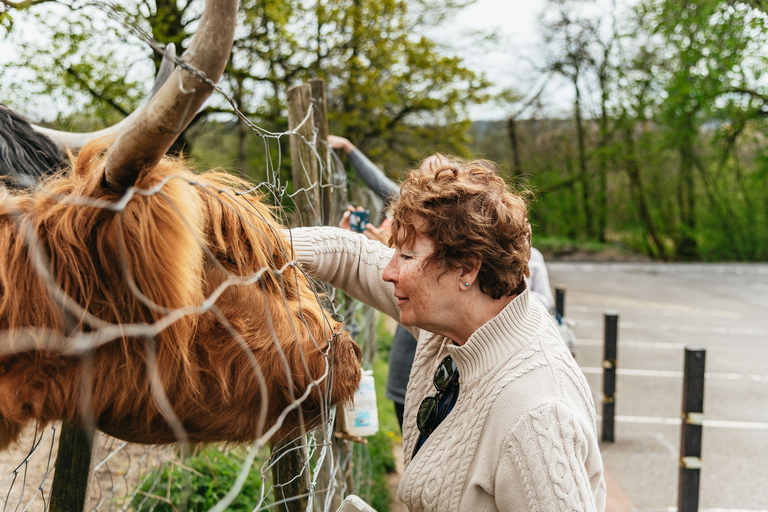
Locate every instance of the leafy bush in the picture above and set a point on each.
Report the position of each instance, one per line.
(199, 482)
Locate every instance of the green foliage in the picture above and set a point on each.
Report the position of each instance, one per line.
(199, 482)
(679, 144)
(393, 92)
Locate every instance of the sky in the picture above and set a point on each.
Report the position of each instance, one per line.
(510, 63)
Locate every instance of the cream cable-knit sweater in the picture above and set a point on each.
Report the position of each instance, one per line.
(522, 435)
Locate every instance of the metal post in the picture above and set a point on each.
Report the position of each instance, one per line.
(610, 357)
(690, 431)
(560, 300)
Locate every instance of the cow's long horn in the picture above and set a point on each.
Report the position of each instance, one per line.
(75, 141)
(158, 125)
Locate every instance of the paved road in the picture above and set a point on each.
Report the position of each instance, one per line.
(662, 308)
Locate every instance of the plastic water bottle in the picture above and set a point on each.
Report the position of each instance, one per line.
(362, 416)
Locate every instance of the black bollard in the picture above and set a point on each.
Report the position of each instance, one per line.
(560, 300)
(610, 356)
(690, 432)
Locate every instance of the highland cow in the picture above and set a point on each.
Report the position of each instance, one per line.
(128, 242)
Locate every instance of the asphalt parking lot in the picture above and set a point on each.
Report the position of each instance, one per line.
(663, 308)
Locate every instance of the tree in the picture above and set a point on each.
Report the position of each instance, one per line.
(568, 35)
(390, 90)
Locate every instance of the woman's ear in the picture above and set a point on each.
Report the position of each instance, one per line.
(469, 273)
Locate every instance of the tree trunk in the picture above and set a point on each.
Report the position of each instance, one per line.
(686, 246)
(602, 163)
(586, 190)
(638, 191)
(512, 132)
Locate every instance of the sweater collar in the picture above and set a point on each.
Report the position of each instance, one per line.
(496, 340)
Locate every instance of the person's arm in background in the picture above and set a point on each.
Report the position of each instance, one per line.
(539, 280)
(373, 177)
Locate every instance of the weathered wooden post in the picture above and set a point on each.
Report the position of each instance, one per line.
(327, 204)
(327, 480)
(306, 194)
(290, 471)
(610, 358)
(690, 431)
(560, 300)
(69, 490)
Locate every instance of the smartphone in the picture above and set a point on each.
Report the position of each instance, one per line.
(354, 503)
(359, 219)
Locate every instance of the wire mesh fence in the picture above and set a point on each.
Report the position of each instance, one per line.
(173, 325)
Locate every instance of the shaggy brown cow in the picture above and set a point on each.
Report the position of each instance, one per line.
(180, 245)
(239, 334)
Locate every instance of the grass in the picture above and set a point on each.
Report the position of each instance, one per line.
(561, 247)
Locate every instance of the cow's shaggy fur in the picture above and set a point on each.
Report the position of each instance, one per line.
(206, 374)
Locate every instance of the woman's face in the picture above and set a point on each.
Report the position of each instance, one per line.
(426, 295)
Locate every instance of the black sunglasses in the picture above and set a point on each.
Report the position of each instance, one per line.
(446, 381)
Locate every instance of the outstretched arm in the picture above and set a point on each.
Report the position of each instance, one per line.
(347, 261)
(373, 177)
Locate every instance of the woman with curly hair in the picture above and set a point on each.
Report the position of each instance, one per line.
(497, 414)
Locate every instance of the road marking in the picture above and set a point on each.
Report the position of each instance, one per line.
(659, 268)
(613, 301)
(676, 374)
(649, 420)
(591, 342)
(740, 331)
(674, 509)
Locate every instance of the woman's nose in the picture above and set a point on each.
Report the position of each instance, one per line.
(390, 272)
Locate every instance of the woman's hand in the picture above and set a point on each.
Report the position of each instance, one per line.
(337, 142)
(371, 232)
(374, 233)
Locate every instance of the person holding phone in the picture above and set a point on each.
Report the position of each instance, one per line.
(403, 348)
(497, 414)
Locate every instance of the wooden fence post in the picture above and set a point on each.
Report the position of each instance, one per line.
(329, 212)
(290, 472)
(303, 158)
(690, 431)
(69, 490)
(329, 204)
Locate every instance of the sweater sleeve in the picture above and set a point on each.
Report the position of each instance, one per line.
(544, 465)
(348, 261)
(372, 176)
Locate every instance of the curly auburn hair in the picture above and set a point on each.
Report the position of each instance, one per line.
(469, 213)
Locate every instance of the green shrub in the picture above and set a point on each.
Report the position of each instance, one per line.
(198, 483)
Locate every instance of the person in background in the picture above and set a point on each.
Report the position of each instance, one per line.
(538, 280)
(403, 343)
(497, 416)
